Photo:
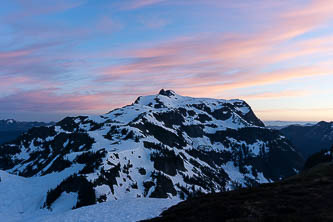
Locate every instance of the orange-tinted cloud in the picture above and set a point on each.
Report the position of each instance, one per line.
(279, 94)
(302, 114)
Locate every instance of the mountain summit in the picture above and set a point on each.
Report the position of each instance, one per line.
(164, 146)
(167, 93)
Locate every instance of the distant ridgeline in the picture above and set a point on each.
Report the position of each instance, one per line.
(162, 146)
(11, 129)
(310, 139)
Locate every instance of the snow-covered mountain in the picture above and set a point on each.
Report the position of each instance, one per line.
(164, 146)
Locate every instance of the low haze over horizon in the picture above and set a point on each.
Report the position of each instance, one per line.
(78, 57)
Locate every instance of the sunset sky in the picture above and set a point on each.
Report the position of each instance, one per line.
(68, 57)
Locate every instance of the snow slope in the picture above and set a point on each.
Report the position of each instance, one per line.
(133, 209)
(22, 199)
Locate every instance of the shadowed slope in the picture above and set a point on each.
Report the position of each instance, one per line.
(310, 139)
(305, 197)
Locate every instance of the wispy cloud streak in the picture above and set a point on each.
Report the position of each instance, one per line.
(66, 61)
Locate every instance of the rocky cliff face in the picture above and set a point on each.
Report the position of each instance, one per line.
(164, 145)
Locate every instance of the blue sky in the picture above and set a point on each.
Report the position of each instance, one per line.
(76, 57)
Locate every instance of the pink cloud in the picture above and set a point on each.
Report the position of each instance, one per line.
(276, 95)
(49, 101)
(135, 4)
(15, 53)
(204, 62)
(199, 65)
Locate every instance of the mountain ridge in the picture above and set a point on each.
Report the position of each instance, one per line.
(310, 139)
(164, 145)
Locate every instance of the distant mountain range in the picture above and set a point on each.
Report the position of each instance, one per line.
(310, 139)
(282, 124)
(10, 129)
(161, 146)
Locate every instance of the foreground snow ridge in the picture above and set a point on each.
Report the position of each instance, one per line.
(21, 199)
(133, 209)
(161, 146)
